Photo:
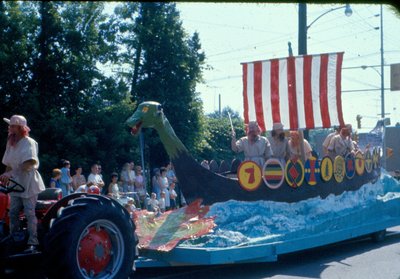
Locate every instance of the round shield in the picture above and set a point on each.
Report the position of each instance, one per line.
(350, 166)
(360, 163)
(273, 173)
(294, 173)
(249, 175)
(368, 161)
(326, 168)
(339, 168)
(312, 170)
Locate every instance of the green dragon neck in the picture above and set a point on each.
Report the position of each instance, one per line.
(171, 142)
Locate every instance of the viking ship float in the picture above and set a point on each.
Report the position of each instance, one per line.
(301, 92)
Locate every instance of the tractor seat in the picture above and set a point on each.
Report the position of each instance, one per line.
(47, 198)
(50, 194)
(44, 205)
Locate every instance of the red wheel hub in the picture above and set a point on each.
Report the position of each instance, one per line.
(95, 251)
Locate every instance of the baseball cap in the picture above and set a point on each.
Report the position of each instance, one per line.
(18, 120)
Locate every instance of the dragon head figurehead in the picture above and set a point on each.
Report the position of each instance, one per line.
(147, 115)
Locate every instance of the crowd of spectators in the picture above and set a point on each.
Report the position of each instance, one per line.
(130, 187)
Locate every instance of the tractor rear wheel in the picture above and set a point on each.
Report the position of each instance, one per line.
(93, 237)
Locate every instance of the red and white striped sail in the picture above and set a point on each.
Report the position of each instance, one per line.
(301, 92)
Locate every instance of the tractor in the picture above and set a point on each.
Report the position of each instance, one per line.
(80, 235)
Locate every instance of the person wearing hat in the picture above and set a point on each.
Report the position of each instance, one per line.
(279, 143)
(328, 139)
(256, 148)
(341, 144)
(22, 163)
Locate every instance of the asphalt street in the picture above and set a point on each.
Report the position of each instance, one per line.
(359, 258)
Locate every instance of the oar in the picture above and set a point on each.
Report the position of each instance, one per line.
(230, 120)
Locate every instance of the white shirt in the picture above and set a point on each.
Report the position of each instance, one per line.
(25, 149)
(81, 189)
(95, 179)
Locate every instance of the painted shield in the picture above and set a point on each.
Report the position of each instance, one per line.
(312, 170)
(375, 158)
(360, 163)
(368, 161)
(326, 168)
(273, 173)
(350, 166)
(294, 173)
(339, 168)
(249, 175)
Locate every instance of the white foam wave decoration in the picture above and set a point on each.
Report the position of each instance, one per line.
(244, 223)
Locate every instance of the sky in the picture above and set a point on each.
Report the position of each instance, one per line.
(232, 33)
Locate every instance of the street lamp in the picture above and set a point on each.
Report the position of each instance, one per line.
(382, 72)
(303, 27)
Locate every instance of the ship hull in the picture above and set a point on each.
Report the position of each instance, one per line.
(197, 182)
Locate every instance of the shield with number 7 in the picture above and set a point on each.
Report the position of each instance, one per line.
(249, 175)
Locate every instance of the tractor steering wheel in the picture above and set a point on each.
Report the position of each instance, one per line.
(16, 187)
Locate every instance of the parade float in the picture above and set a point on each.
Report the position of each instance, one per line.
(282, 207)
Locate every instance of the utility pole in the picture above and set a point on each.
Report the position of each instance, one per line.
(302, 39)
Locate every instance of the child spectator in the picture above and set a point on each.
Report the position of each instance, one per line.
(161, 202)
(163, 182)
(156, 188)
(131, 204)
(55, 179)
(140, 185)
(172, 196)
(128, 208)
(153, 203)
(66, 178)
(113, 190)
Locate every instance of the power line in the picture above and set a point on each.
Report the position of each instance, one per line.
(363, 90)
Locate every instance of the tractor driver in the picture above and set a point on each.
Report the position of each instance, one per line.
(21, 160)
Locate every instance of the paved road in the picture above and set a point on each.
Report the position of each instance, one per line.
(361, 258)
(357, 259)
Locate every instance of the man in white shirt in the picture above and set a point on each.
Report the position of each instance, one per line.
(256, 148)
(22, 162)
(341, 144)
(328, 139)
(95, 178)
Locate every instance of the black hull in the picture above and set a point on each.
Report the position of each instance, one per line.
(197, 182)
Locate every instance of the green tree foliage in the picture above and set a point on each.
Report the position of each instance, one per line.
(216, 143)
(165, 65)
(17, 27)
(74, 110)
(50, 54)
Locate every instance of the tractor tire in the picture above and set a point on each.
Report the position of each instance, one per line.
(93, 237)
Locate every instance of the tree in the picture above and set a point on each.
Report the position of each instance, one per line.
(217, 138)
(165, 65)
(17, 25)
(51, 52)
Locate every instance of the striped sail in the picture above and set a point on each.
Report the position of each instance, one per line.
(301, 92)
